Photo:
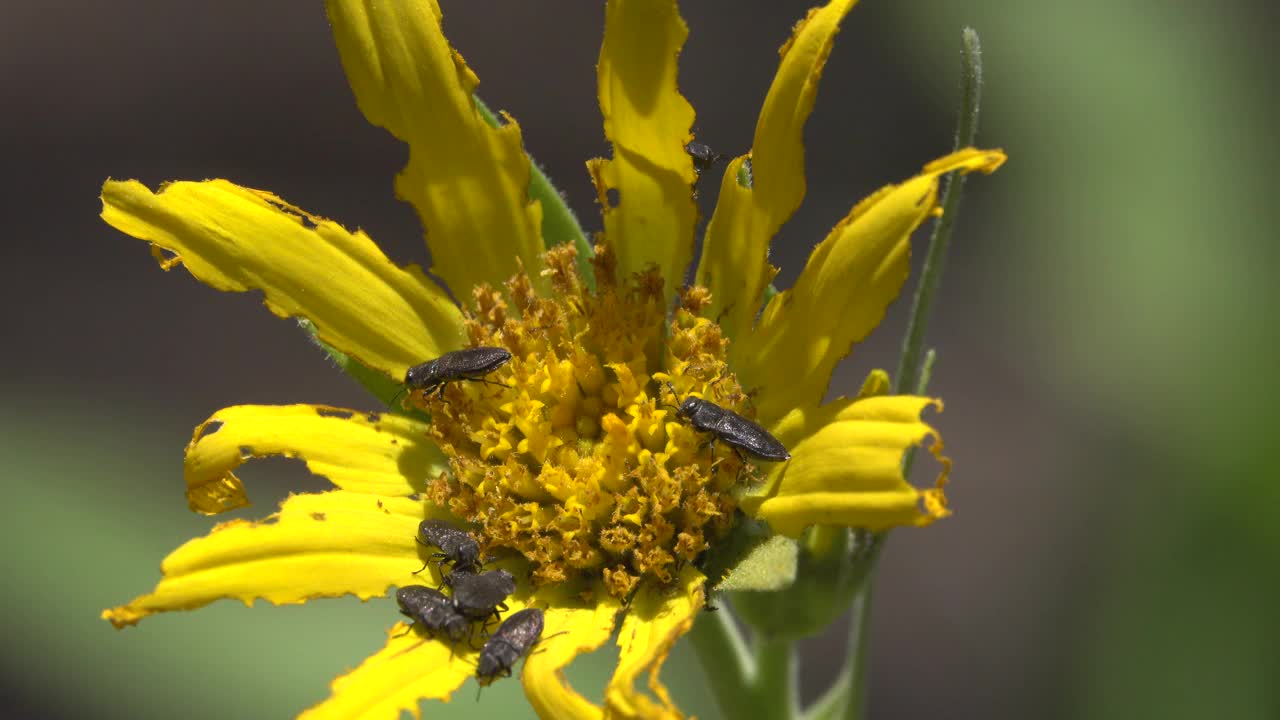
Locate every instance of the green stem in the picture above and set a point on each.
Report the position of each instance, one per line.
(911, 374)
(775, 694)
(926, 374)
(940, 240)
(855, 705)
(725, 661)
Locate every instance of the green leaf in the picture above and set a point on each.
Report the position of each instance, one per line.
(824, 585)
(770, 565)
(751, 558)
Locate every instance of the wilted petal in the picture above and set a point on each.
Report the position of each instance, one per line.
(411, 668)
(846, 468)
(571, 628)
(843, 291)
(735, 256)
(325, 545)
(469, 181)
(656, 618)
(376, 453)
(647, 120)
(236, 239)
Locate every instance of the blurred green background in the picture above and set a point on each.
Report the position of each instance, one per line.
(1105, 330)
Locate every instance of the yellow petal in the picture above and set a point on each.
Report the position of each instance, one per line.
(410, 668)
(468, 181)
(375, 453)
(571, 629)
(323, 545)
(846, 467)
(843, 291)
(734, 264)
(236, 239)
(656, 618)
(735, 255)
(648, 122)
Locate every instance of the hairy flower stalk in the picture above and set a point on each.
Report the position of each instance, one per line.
(598, 509)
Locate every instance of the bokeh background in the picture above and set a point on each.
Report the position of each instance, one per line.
(1105, 331)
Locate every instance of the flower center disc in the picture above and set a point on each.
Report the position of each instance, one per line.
(572, 454)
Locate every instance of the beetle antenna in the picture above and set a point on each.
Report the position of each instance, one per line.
(673, 395)
(396, 399)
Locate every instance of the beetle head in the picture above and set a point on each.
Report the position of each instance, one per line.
(419, 375)
(684, 409)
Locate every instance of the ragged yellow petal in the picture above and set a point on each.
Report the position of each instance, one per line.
(571, 629)
(843, 291)
(734, 264)
(846, 467)
(323, 545)
(375, 453)
(411, 668)
(468, 181)
(236, 239)
(648, 122)
(777, 152)
(656, 618)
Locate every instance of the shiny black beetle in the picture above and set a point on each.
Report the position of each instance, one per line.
(469, 364)
(480, 595)
(736, 431)
(513, 638)
(704, 158)
(433, 610)
(456, 545)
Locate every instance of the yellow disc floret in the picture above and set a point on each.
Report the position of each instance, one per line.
(572, 455)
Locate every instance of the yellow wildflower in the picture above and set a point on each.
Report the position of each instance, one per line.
(570, 465)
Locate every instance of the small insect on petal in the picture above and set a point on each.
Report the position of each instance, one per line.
(739, 433)
(470, 364)
(481, 595)
(509, 643)
(456, 545)
(433, 610)
(704, 158)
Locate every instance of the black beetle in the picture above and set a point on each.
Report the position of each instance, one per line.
(433, 610)
(736, 431)
(508, 644)
(456, 545)
(481, 595)
(704, 158)
(469, 364)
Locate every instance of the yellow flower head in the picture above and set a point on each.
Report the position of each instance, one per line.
(568, 464)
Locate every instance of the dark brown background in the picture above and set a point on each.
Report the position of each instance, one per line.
(1105, 342)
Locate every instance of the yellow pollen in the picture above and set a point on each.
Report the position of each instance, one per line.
(572, 456)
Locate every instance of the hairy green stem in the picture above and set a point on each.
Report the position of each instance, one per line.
(775, 683)
(911, 375)
(725, 661)
(940, 239)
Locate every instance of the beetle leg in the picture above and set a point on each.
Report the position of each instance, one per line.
(742, 465)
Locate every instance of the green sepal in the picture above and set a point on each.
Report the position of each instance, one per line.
(745, 178)
(770, 291)
(559, 224)
(751, 558)
(824, 586)
(386, 390)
